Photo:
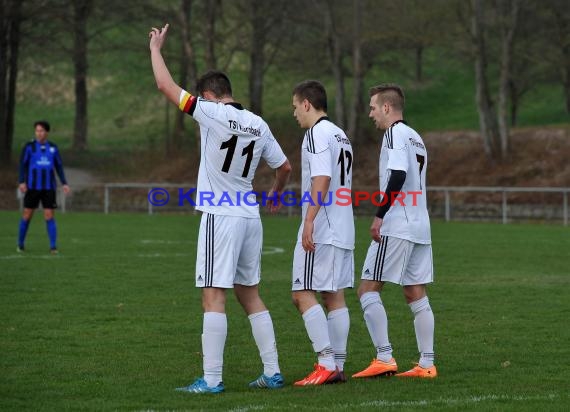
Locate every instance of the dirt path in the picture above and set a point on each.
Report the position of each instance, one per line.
(80, 177)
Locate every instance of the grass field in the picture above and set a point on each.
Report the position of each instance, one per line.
(114, 322)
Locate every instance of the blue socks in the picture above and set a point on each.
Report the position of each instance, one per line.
(22, 232)
(52, 233)
(51, 230)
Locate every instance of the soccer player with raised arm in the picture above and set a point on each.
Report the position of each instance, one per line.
(323, 258)
(38, 161)
(400, 251)
(233, 141)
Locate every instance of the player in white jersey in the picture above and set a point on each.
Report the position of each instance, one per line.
(400, 251)
(323, 258)
(233, 140)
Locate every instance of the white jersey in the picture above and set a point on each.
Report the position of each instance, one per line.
(404, 149)
(326, 151)
(233, 140)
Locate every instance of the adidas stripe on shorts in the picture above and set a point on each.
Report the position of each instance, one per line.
(398, 261)
(327, 269)
(229, 251)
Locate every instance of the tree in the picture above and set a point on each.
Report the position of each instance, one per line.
(224, 33)
(358, 72)
(73, 29)
(494, 126)
(367, 45)
(413, 25)
(10, 21)
(257, 54)
(531, 60)
(188, 70)
(487, 120)
(81, 11)
(335, 50)
(212, 15)
(528, 66)
(350, 32)
(556, 15)
(508, 15)
(265, 36)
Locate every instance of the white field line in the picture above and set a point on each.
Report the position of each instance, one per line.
(267, 250)
(417, 403)
(24, 256)
(166, 242)
(161, 255)
(272, 250)
(98, 256)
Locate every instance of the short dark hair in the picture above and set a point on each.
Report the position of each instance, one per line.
(216, 82)
(42, 123)
(389, 93)
(314, 92)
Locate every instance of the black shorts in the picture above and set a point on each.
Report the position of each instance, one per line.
(33, 197)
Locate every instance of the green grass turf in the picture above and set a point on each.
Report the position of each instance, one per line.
(114, 321)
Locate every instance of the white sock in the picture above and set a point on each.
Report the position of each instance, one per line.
(424, 325)
(215, 330)
(339, 324)
(377, 324)
(317, 329)
(264, 335)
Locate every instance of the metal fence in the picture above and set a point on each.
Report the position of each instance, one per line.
(532, 205)
(450, 203)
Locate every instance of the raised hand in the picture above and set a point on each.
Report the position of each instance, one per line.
(157, 37)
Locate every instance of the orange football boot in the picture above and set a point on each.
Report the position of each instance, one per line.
(378, 368)
(320, 376)
(419, 372)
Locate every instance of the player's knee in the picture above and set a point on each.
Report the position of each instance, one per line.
(239, 296)
(369, 286)
(333, 301)
(369, 299)
(420, 305)
(252, 304)
(414, 293)
(301, 301)
(296, 301)
(326, 299)
(213, 300)
(213, 307)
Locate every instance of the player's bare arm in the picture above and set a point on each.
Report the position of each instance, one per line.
(375, 228)
(282, 174)
(164, 80)
(319, 188)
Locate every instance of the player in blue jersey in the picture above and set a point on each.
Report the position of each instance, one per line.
(38, 161)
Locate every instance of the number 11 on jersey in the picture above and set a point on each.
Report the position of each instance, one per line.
(231, 146)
